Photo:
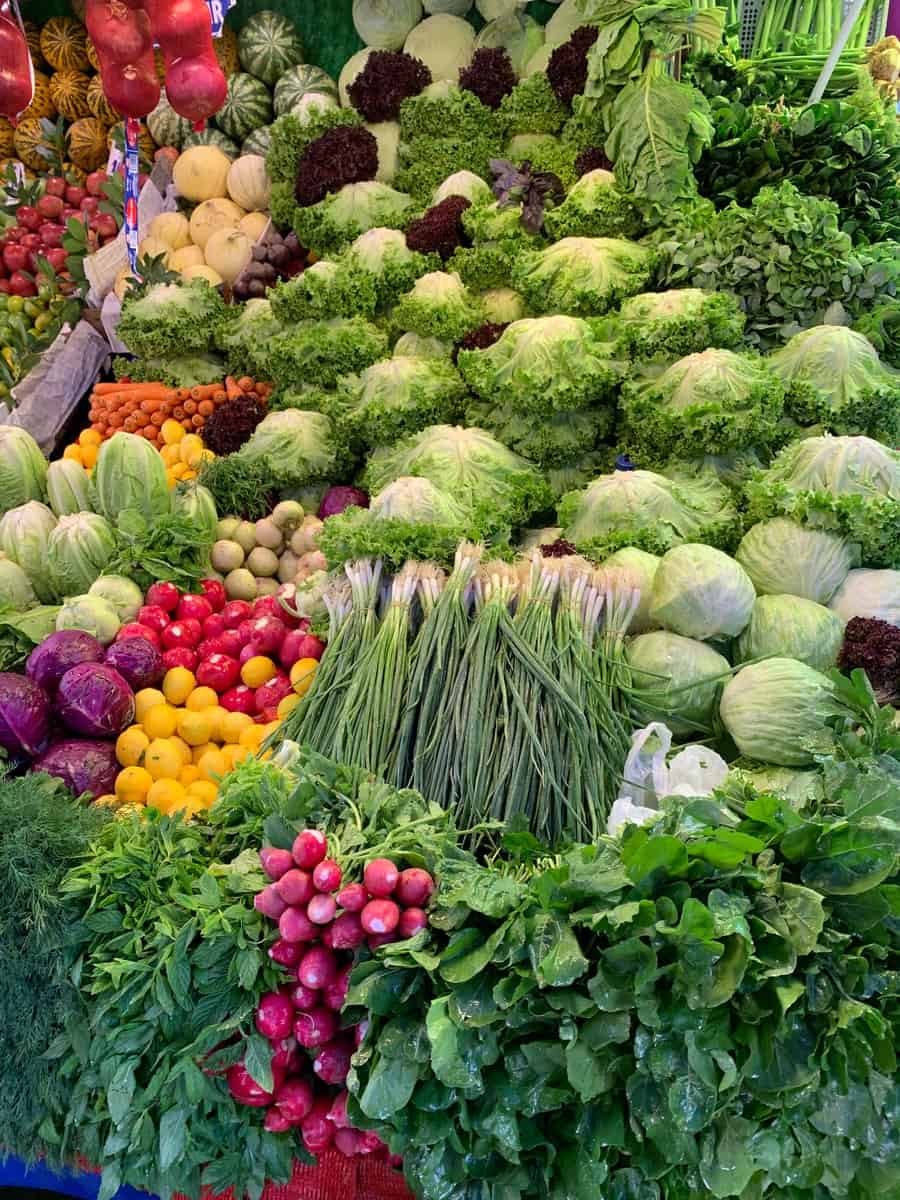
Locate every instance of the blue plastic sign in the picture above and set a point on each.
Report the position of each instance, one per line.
(217, 11)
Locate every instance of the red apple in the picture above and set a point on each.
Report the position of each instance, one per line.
(75, 194)
(95, 182)
(51, 233)
(55, 186)
(28, 217)
(50, 206)
(15, 257)
(56, 256)
(90, 205)
(106, 225)
(21, 285)
(5, 287)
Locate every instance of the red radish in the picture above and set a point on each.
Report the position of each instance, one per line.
(269, 695)
(239, 699)
(380, 916)
(163, 594)
(380, 878)
(337, 1114)
(327, 938)
(286, 1059)
(275, 863)
(353, 897)
(347, 932)
(359, 1033)
(332, 1063)
(304, 998)
(267, 715)
(180, 657)
(347, 1142)
(182, 633)
(321, 909)
(311, 646)
(269, 903)
(213, 626)
(336, 993)
(134, 629)
(316, 1130)
(196, 87)
(327, 875)
(245, 632)
(414, 887)
(246, 1090)
(294, 1099)
(268, 606)
(368, 1142)
(286, 954)
(315, 1028)
(317, 968)
(295, 886)
(219, 671)
(376, 940)
(229, 643)
(289, 651)
(234, 612)
(295, 926)
(192, 605)
(214, 591)
(412, 920)
(274, 1015)
(154, 616)
(269, 633)
(309, 848)
(248, 650)
(275, 1122)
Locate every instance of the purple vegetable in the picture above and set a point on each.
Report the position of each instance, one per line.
(94, 700)
(336, 499)
(24, 715)
(137, 660)
(83, 766)
(56, 654)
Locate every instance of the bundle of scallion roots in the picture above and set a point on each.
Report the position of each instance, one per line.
(499, 691)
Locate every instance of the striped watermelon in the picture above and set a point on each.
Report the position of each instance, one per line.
(294, 84)
(166, 127)
(247, 106)
(258, 142)
(269, 45)
(211, 137)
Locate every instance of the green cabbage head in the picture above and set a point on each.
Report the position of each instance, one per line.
(791, 627)
(78, 550)
(24, 535)
(23, 469)
(782, 556)
(701, 592)
(675, 680)
(130, 474)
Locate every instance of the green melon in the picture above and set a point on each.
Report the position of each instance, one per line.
(247, 106)
(258, 142)
(269, 45)
(295, 83)
(211, 137)
(166, 127)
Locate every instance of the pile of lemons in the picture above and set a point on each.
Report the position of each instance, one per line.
(181, 745)
(183, 453)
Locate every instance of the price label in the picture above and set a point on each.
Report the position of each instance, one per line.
(217, 11)
(132, 187)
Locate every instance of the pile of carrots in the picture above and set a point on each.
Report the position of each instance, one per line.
(142, 408)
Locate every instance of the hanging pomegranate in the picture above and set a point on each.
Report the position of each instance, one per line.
(132, 88)
(16, 70)
(121, 34)
(182, 28)
(195, 87)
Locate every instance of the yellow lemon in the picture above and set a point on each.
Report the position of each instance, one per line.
(132, 785)
(144, 700)
(169, 455)
(88, 456)
(213, 764)
(215, 716)
(233, 754)
(252, 737)
(172, 432)
(194, 727)
(233, 723)
(178, 684)
(257, 670)
(163, 760)
(191, 448)
(188, 775)
(287, 704)
(269, 728)
(197, 752)
(303, 672)
(168, 795)
(130, 745)
(160, 721)
(200, 698)
(89, 437)
(186, 752)
(205, 791)
(73, 452)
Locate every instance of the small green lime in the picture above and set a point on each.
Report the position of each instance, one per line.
(15, 304)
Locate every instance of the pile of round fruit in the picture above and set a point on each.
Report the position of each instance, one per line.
(232, 672)
(322, 922)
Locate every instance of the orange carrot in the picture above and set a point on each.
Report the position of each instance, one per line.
(198, 422)
(206, 408)
(232, 387)
(109, 389)
(205, 392)
(245, 383)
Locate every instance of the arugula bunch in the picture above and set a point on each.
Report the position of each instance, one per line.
(708, 1006)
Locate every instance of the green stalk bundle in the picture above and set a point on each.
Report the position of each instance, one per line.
(366, 731)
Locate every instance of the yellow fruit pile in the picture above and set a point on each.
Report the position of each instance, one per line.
(182, 452)
(182, 744)
(84, 450)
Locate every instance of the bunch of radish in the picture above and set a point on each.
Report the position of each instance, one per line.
(322, 923)
(124, 33)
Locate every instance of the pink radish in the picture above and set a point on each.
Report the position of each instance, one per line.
(287, 1058)
(275, 1122)
(327, 876)
(353, 897)
(294, 1099)
(347, 932)
(380, 877)
(275, 862)
(304, 998)
(318, 968)
(246, 1090)
(380, 916)
(321, 909)
(315, 1028)
(269, 903)
(369, 1142)
(309, 848)
(414, 887)
(335, 993)
(338, 1113)
(295, 926)
(274, 1016)
(332, 1063)
(295, 887)
(317, 1131)
(286, 954)
(412, 920)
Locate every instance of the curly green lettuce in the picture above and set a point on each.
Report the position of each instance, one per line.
(835, 379)
(444, 110)
(320, 352)
(552, 440)
(594, 207)
(542, 365)
(881, 325)
(396, 397)
(496, 485)
(244, 338)
(650, 511)
(554, 155)
(847, 485)
(331, 225)
(439, 305)
(532, 107)
(293, 132)
(383, 257)
(659, 325)
(425, 162)
(583, 276)
(712, 402)
(171, 319)
(184, 371)
(325, 289)
(296, 448)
